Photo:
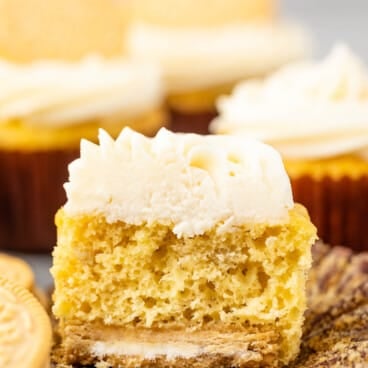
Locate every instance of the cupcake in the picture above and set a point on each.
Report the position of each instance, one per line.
(45, 109)
(204, 47)
(61, 29)
(184, 251)
(316, 115)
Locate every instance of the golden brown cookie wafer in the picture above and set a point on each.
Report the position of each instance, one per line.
(16, 270)
(25, 329)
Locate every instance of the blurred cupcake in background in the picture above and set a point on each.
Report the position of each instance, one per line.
(62, 29)
(45, 109)
(316, 115)
(204, 47)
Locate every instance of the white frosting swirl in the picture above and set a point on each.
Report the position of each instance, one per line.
(204, 57)
(187, 181)
(307, 110)
(58, 93)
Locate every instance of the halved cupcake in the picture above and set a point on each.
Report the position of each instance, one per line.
(45, 109)
(180, 250)
(316, 115)
(204, 47)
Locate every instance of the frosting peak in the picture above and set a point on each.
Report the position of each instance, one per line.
(189, 181)
(340, 76)
(306, 110)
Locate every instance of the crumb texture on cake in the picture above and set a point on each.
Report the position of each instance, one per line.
(122, 275)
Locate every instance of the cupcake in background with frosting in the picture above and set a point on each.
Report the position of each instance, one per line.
(45, 109)
(316, 115)
(205, 47)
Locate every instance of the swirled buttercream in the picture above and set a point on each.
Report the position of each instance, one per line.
(58, 93)
(187, 181)
(198, 58)
(307, 110)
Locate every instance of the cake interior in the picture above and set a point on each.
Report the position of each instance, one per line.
(128, 294)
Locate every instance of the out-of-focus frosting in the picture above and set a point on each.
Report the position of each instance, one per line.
(307, 110)
(187, 181)
(204, 57)
(59, 93)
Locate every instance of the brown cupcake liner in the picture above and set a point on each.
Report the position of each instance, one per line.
(31, 191)
(338, 208)
(196, 122)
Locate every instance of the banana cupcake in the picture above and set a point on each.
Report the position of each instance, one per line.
(205, 47)
(45, 109)
(316, 115)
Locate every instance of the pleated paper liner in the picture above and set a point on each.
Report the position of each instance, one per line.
(338, 208)
(31, 191)
(195, 122)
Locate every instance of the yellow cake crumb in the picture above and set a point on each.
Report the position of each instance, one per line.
(145, 276)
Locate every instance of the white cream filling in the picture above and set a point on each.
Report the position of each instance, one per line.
(187, 181)
(197, 58)
(146, 350)
(169, 351)
(307, 110)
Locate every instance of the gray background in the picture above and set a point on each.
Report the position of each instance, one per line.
(328, 20)
(331, 21)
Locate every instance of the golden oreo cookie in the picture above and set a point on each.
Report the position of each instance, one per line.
(16, 270)
(25, 329)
